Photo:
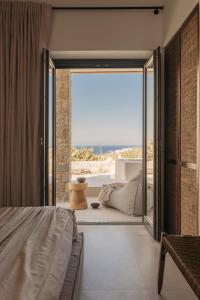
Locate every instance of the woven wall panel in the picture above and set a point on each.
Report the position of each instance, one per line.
(172, 206)
(189, 55)
(172, 132)
(189, 63)
(172, 97)
(181, 125)
(189, 205)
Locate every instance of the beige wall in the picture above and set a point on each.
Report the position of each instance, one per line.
(105, 30)
(175, 13)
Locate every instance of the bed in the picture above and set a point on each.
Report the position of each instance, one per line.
(41, 254)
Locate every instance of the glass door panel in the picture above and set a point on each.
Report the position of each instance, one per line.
(149, 143)
(51, 135)
(150, 162)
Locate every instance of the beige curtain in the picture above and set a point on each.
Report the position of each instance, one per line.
(24, 32)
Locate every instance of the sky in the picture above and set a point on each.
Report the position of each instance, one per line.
(107, 109)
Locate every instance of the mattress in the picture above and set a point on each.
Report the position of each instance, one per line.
(38, 248)
(71, 286)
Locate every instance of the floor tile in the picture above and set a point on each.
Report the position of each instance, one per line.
(121, 262)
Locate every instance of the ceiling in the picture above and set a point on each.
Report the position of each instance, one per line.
(94, 3)
(101, 54)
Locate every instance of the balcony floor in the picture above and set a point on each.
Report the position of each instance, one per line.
(102, 215)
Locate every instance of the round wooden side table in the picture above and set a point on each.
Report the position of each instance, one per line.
(77, 199)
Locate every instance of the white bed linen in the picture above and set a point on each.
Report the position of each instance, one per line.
(35, 249)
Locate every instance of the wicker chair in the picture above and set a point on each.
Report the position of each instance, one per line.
(185, 251)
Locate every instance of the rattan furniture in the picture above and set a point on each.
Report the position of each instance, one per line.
(185, 251)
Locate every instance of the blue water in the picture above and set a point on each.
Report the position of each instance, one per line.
(106, 149)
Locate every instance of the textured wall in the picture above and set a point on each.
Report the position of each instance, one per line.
(172, 137)
(63, 134)
(181, 130)
(189, 63)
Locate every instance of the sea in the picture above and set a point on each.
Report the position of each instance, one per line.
(106, 148)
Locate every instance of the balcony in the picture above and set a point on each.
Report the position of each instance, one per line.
(115, 167)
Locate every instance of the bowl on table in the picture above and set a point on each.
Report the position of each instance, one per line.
(95, 205)
(81, 179)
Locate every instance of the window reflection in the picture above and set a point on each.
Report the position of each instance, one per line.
(150, 142)
(50, 135)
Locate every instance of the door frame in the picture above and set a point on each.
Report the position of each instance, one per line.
(117, 63)
(48, 63)
(157, 226)
(98, 63)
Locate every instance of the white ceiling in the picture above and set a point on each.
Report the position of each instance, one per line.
(105, 2)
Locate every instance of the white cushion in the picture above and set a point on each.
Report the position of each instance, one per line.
(138, 201)
(124, 199)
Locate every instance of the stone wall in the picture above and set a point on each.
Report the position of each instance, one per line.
(63, 134)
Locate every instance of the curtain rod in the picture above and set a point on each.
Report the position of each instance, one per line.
(156, 9)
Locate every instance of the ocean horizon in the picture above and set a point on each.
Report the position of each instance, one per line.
(102, 149)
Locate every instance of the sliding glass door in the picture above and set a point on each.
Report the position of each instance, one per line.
(49, 132)
(153, 131)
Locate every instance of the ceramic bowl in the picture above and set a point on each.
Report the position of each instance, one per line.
(81, 179)
(95, 204)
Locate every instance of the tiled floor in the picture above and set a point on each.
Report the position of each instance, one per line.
(105, 215)
(121, 263)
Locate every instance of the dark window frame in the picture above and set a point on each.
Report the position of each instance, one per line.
(99, 63)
